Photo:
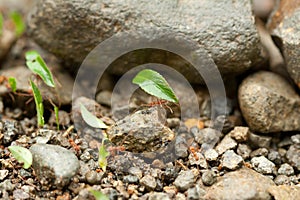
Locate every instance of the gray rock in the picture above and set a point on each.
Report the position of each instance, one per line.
(92, 177)
(284, 25)
(211, 155)
(275, 157)
(209, 177)
(244, 150)
(296, 139)
(285, 192)
(240, 133)
(226, 144)
(242, 184)
(286, 169)
(263, 97)
(142, 131)
(257, 141)
(3, 174)
(104, 98)
(6, 185)
(198, 159)
(149, 182)
(135, 171)
(180, 196)
(223, 32)
(20, 194)
(293, 156)
(53, 165)
(230, 160)
(263, 165)
(281, 179)
(130, 179)
(10, 129)
(207, 137)
(181, 147)
(195, 193)
(259, 152)
(185, 180)
(158, 196)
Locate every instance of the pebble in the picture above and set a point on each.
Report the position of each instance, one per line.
(149, 182)
(286, 169)
(206, 137)
(104, 98)
(230, 160)
(180, 196)
(158, 164)
(158, 196)
(85, 156)
(296, 139)
(20, 194)
(53, 165)
(209, 177)
(293, 156)
(259, 141)
(195, 193)
(6, 185)
(259, 152)
(92, 177)
(211, 155)
(198, 159)
(244, 150)
(240, 133)
(3, 174)
(226, 144)
(10, 129)
(263, 165)
(185, 180)
(130, 179)
(136, 172)
(181, 147)
(281, 179)
(275, 157)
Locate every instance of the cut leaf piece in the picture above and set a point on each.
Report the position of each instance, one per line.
(1, 24)
(102, 157)
(22, 155)
(91, 119)
(12, 83)
(155, 84)
(99, 195)
(38, 66)
(38, 103)
(19, 23)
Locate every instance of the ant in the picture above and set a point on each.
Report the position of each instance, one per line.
(194, 151)
(74, 145)
(113, 150)
(160, 102)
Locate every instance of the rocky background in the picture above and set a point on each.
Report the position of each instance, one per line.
(255, 45)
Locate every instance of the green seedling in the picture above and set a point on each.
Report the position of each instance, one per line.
(38, 66)
(38, 103)
(12, 83)
(18, 22)
(1, 24)
(91, 119)
(155, 84)
(102, 156)
(99, 195)
(56, 116)
(22, 155)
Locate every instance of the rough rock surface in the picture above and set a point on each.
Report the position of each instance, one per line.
(240, 185)
(225, 29)
(285, 24)
(285, 192)
(53, 165)
(263, 97)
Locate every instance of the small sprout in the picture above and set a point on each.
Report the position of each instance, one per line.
(12, 83)
(154, 84)
(22, 155)
(38, 66)
(99, 195)
(19, 23)
(38, 103)
(91, 119)
(1, 24)
(102, 157)
(56, 116)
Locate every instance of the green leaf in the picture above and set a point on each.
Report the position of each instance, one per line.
(99, 195)
(12, 83)
(56, 116)
(91, 119)
(38, 66)
(19, 23)
(38, 103)
(102, 157)
(22, 155)
(1, 24)
(153, 83)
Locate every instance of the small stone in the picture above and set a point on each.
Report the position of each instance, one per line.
(181, 147)
(209, 177)
(85, 156)
(149, 182)
(296, 139)
(136, 172)
(10, 129)
(275, 157)
(130, 179)
(6, 185)
(20, 194)
(286, 141)
(195, 193)
(281, 179)
(173, 122)
(286, 169)
(158, 164)
(3, 174)
(92, 177)
(259, 152)
(63, 118)
(293, 156)
(230, 160)
(211, 155)
(244, 150)
(207, 137)
(198, 159)
(158, 196)
(263, 165)
(104, 98)
(185, 180)
(180, 196)
(226, 144)
(240, 133)
(259, 141)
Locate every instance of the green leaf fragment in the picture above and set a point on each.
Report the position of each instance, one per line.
(56, 116)
(99, 195)
(102, 157)
(38, 103)
(91, 119)
(12, 83)
(155, 84)
(19, 23)
(22, 155)
(1, 24)
(38, 66)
